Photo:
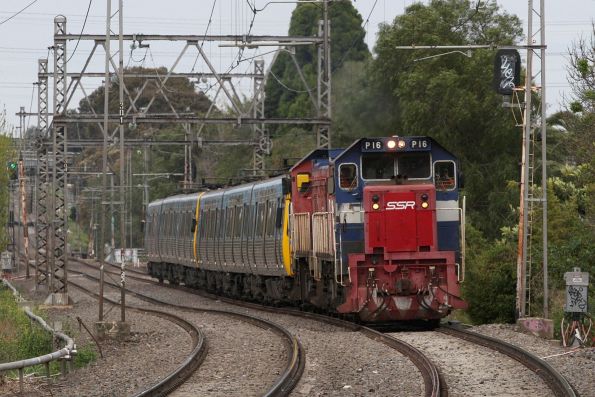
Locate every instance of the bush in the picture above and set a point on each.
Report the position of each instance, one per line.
(490, 282)
(19, 337)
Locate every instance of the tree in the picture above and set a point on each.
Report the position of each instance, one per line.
(286, 95)
(6, 155)
(179, 94)
(450, 97)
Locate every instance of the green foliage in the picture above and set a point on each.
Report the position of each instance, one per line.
(583, 67)
(19, 337)
(6, 155)
(160, 160)
(490, 280)
(286, 94)
(84, 356)
(451, 97)
(576, 106)
(78, 240)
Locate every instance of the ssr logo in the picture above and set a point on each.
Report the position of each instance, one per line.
(399, 205)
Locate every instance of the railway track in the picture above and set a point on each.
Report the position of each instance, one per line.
(190, 364)
(434, 384)
(289, 375)
(559, 386)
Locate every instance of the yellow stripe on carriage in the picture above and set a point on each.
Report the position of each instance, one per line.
(285, 241)
(196, 227)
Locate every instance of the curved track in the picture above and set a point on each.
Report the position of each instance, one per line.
(294, 367)
(434, 385)
(192, 362)
(556, 382)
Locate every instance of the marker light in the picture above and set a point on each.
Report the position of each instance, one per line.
(391, 144)
(424, 205)
(402, 144)
(375, 206)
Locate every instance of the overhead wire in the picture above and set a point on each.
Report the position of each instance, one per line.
(30, 109)
(205, 35)
(285, 86)
(18, 12)
(340, 63)
(82, 30)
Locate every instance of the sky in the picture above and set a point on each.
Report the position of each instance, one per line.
(26, 37)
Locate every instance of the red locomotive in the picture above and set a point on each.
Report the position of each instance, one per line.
(373, 231)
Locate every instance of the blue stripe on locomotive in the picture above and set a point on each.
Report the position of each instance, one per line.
(353, 233)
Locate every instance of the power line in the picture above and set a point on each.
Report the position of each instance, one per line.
(206, 31)
(82, 29)
(17, 13)
(340, 63)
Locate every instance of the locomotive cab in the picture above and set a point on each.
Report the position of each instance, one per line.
(399, 231)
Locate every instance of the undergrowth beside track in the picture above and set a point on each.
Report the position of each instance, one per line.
(22, 338)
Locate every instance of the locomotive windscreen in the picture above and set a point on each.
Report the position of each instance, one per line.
(384, 166)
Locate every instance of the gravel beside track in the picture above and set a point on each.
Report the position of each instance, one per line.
(472, 370)
(243, 359)
(577, 365)
(339, 361)
(153, 350)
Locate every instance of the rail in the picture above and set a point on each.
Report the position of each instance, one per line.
(188, 366)
(434, 385)
(555, 381)
(65, 353)
(294, 367)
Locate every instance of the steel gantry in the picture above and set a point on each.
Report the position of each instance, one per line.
(52, 207)
(58, 259)
(42, 176)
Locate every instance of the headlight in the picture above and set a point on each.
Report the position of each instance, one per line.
(391, 144)
(425, 205)
(402, 144)
(375, 206)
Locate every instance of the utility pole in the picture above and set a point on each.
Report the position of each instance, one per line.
(104, 197)
(22, 192)
(323, 132)
(122, 165)
(42, 252)
(531, 128)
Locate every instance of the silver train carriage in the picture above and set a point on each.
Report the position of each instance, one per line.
(243, 229)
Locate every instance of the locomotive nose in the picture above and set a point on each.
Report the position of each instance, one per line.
(399, 218)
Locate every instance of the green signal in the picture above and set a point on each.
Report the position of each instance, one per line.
(12, 165)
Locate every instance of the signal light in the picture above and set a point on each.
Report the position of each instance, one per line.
(11, 167)
(402, 144)
(391, 144)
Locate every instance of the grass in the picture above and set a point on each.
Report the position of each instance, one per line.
(22, 338)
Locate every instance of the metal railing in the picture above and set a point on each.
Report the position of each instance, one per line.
(63, 354)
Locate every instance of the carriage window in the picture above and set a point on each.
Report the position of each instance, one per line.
(237, 231)
(414, 165)
(229, 215)
(260, 219)
(378, 166)
(348, 176)
(270, 218)
(213, 227)
(249, 220)
(444, 175)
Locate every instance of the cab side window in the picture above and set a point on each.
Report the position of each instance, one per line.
(444, 175)
(348, 176)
